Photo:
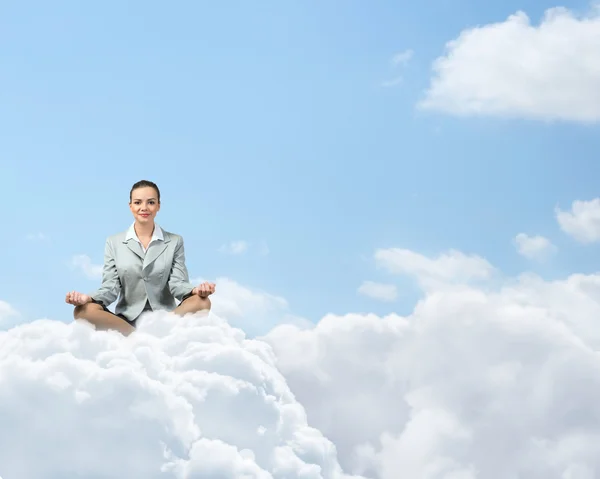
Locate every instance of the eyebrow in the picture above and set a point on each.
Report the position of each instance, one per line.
(140, 199)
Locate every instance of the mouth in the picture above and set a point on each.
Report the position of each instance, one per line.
(144, 215)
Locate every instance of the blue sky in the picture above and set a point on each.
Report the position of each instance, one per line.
(268, 122)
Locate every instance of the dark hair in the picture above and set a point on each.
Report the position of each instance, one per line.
(144, 184)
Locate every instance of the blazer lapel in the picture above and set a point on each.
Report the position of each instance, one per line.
(156, 250)
(135, 247)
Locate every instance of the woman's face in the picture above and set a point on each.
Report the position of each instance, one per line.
(144, 204)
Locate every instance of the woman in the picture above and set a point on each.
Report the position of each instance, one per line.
(143, 266)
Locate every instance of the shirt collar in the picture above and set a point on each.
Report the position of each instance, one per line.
(156, 235)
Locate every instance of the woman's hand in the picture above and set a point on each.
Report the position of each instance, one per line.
(77, 299)
(204, 290)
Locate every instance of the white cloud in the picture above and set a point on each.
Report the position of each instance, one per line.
(240, 247)
(490, 383)
(179, 399)
(400, 60)
(6, 309)
(84, 264)
(380, 291)
(472, 384)
(534, 247)
(236, 303)
(7, 315)
(582, 222)
(515, 69)
(234, 247)
(451, 267)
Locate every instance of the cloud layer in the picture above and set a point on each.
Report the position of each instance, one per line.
(479, 381)
(516, 69)
(179, 399)
(472, 384)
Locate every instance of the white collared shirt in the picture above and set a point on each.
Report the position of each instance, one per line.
(157, 235)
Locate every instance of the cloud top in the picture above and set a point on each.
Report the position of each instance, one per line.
(472, 384)
(188, 398)
(513, 68)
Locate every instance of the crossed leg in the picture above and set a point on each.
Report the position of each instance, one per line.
(104, 320)
(101, 319)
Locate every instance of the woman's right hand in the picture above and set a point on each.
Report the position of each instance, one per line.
(77, 299)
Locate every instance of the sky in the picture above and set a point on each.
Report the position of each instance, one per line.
(272, 125)
(385, 194)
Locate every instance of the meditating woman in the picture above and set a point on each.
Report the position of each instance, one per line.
(145, 268)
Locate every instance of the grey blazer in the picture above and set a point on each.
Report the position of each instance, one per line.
(158, 276)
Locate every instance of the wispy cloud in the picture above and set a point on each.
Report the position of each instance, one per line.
(84, 264)
(451, 267)
(402, 58)
(379, 291)
(240, 247)
(234, 247)
(398, 61)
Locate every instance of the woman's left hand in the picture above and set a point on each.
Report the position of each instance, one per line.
(204, 290)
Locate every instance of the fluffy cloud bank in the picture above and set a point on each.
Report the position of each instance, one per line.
(483, 380)
(513, 68)
(179, 399)
(496, 383)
